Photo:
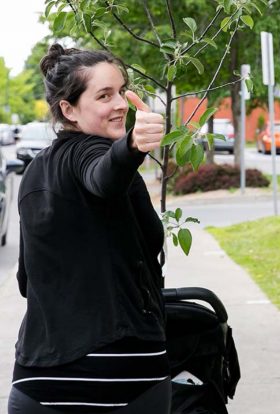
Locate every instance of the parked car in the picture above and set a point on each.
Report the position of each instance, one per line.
(6, 187)
(34, 137)
(264, 138)
(224, 127)
(6, 135)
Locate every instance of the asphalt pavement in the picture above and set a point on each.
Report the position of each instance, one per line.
(254, 319)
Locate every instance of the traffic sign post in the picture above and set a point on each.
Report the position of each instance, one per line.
(245, 73)
(268, 79)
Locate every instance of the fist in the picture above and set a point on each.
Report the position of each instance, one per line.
(149, 126)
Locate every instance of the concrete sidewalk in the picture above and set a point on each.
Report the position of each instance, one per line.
(255, 321)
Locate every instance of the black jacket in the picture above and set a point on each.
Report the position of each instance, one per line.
(90, 239)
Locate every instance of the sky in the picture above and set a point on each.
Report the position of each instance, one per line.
(20, 30)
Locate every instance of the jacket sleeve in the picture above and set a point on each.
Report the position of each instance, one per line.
(21, 274)
(106, 168)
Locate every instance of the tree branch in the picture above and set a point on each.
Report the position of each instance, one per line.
(141, 39)
(71, 5)
(156, 160)
(146, 76)
(172, 23)
(203, 33)
(208, 90)
(153, 94)
(215, 75)
(144, 2)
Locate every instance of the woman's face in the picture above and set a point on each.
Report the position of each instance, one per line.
(102, 107)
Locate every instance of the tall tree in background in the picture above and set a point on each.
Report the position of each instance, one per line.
(162, 43)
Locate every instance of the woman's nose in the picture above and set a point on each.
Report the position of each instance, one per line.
(120, 102)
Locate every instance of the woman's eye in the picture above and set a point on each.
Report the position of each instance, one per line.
(105, 96)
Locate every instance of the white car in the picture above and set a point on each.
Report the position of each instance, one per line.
(34, 137)
(224, 127)
(6, 135)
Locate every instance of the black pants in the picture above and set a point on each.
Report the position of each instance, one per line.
(156, 400)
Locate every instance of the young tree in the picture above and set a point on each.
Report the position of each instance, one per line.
(162, 43)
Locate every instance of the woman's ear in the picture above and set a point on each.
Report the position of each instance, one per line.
(67, 110)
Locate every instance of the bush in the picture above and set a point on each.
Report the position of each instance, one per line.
(214, 177)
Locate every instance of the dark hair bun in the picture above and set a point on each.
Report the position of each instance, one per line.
(49, 61)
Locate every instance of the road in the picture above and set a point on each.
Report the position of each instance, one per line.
(253, 159)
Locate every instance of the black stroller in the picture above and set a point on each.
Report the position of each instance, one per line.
(204, 362)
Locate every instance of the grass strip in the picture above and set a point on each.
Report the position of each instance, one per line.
(255, 245)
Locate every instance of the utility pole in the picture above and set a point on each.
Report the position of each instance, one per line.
(245, 73)
(268, 79)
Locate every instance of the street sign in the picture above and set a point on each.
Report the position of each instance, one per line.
(267, 58)
(245, 73)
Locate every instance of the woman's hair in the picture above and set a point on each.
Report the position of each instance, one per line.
(66, 75)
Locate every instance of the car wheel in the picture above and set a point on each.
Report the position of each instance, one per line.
(3, 240)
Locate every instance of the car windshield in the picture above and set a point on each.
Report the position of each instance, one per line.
(38, 132)
(223, 128)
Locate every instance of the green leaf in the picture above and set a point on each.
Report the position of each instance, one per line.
(190, 23)
(175, 239)
(138, 67)
(150, 88)
(192, 220)
(210, 140)
(257, 8)
(248, 21)
(197, 156)
(100, 12)
(168, 139)
(196, 62)
(210, 42)
(59, 22)
(249, 84)
(169, 213)
(225, 24)
(178, 214)
(171, 73)
(48, 8)
(194, 124)
(182, 158)
(87, 22)
(185, 240)
(165, 49)
(207, 115)
(183, 152)
(227, 5)
(168, 47)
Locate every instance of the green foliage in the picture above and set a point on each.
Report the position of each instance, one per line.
(255, 246)
(173, 224)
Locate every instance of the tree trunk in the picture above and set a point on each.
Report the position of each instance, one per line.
(210, 151)
(235, 99)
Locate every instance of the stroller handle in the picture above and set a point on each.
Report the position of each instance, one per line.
(198, 293)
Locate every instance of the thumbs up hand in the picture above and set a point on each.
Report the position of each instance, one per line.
(149, 126)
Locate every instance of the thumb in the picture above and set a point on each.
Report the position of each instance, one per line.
(137, 102)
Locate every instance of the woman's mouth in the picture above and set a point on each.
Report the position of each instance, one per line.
(117, 119)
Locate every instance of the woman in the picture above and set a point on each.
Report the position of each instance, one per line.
(93, 337)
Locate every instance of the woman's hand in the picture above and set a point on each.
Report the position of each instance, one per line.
(149, 126)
